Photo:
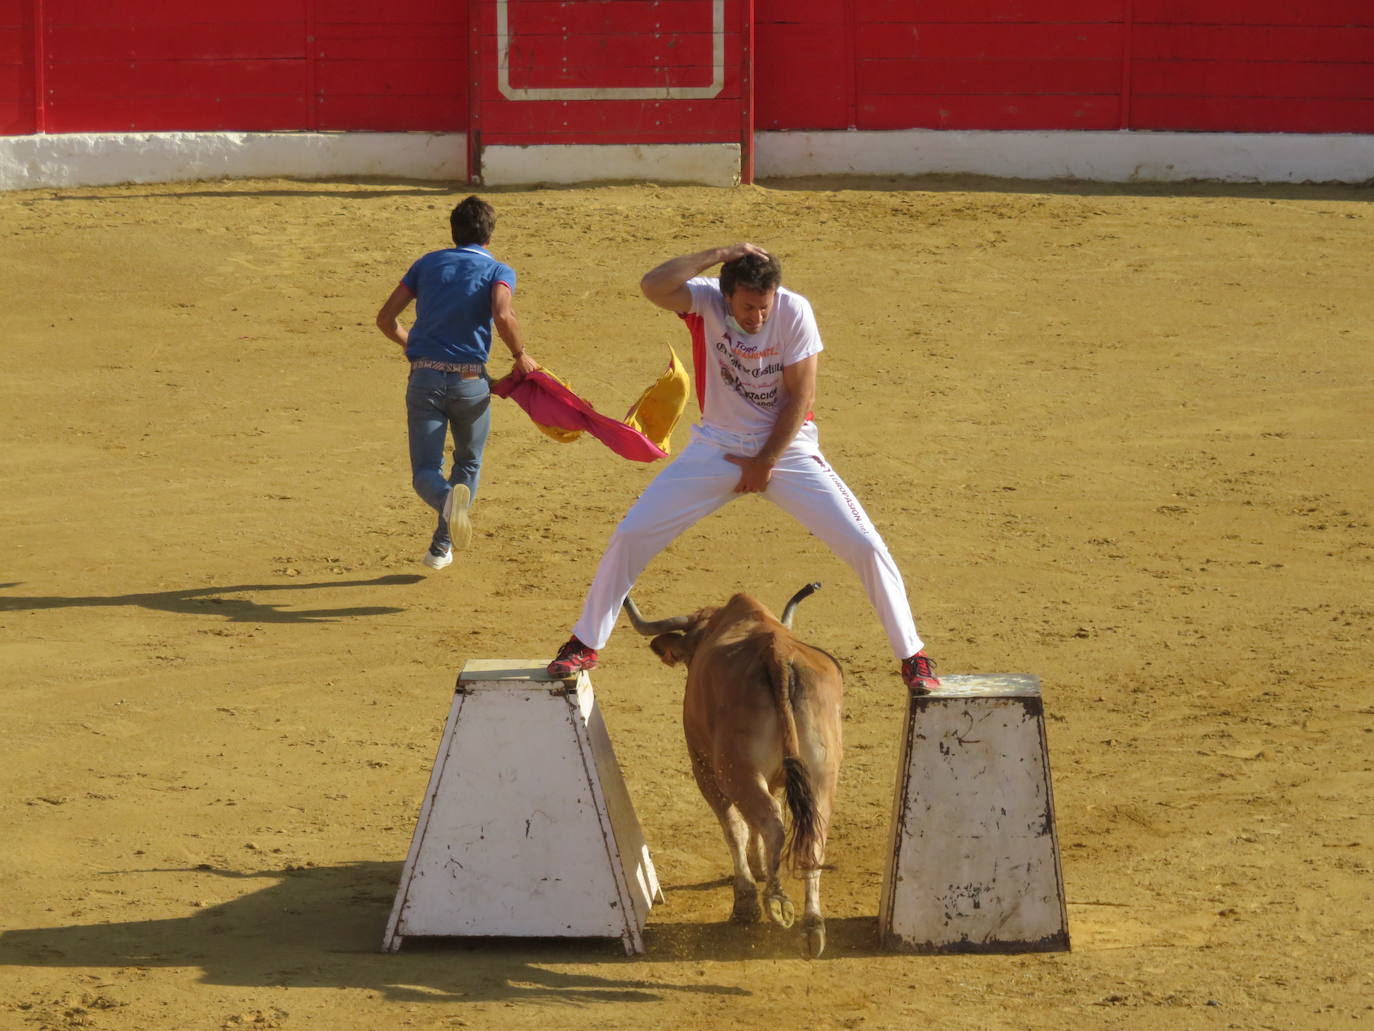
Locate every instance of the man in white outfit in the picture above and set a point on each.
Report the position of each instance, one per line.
(755, 349)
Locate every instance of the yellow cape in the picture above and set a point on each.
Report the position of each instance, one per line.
(661, 406)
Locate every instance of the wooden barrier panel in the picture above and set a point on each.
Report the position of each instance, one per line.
(522, 73)
(974, 854)
(527, 829)
(390, 65)
(1252, 66)
(631, 72)
(146, 66)
(20, 106)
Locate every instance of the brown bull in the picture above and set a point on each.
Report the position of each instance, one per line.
(762, 715)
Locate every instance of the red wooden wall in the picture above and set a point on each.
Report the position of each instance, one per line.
(1253, 65)
(17, 67)
(393, 65)
(437, 65)
(248, 65)
(1205, 65)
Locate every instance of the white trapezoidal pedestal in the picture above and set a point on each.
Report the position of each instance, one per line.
(527, 829)
(974, 861)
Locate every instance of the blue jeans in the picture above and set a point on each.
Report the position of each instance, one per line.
(435, 403)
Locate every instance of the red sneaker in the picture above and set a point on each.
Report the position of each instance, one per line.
(918, 673)
(572, 657)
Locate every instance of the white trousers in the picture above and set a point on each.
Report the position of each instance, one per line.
(700, 481)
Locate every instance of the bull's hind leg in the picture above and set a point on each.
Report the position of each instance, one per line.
(758, 865)
(764, 816)
(811, 858)
(813, 924)
(780, 908)
(746, 909)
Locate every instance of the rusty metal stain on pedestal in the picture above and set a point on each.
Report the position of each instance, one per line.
(974, 859)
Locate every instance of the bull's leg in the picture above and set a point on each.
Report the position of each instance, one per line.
(746, 908)
(764, 816)
(757, 862)
(780, 908)
(813, 924)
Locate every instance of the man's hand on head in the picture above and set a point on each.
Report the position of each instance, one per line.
(739, 250)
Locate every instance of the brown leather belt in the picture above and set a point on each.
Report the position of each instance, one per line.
(470, 370)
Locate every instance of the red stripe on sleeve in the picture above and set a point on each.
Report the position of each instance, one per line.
(697, 327)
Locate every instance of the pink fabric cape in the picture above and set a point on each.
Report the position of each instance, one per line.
(550, 403)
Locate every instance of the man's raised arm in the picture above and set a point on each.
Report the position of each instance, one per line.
(666, 285)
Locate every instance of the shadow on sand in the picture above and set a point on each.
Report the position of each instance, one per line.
(211, 601)
(322, 927)
(365, 188)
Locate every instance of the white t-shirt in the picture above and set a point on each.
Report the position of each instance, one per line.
(739, 376)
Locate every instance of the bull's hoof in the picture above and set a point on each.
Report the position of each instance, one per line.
(780, 910)
(813, 943)
(747, 909)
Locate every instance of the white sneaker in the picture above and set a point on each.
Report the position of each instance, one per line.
(436, 560)
(457, 517)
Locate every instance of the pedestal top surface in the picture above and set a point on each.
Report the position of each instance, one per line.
(513, 671)
(987, 685)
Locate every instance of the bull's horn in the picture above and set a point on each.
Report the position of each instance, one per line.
(796, 600)
(652, 628)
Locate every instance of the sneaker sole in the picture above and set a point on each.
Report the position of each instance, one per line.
(457, 517)
(561, 673)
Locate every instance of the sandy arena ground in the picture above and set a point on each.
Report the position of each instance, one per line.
(1117, 437)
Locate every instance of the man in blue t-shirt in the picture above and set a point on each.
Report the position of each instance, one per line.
(459, 294)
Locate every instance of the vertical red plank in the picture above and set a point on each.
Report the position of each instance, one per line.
(851, 65)
(312, 49)
(1127, 54)
(746, 155)
(40, 80)
(474, 130)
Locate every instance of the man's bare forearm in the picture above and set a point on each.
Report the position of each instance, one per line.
(664, 284)
(785, 430)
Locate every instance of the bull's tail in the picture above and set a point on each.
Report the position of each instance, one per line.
(801, 851)
(802, 848)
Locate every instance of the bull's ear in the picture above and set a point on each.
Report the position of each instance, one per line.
(670, 648)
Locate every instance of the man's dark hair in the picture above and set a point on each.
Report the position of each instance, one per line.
(472, 221)
(752, 272)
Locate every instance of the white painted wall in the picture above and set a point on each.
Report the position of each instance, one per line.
(711, 164)
(101, 159)
(1093, 156)
(30, 162)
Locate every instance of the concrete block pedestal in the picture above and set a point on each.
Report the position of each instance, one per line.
(527, 829)
(974, 858)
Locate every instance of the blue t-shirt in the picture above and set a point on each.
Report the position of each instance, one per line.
(452, 291)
